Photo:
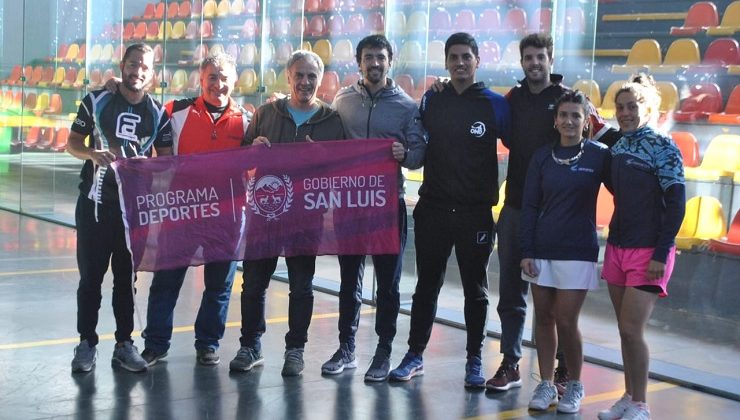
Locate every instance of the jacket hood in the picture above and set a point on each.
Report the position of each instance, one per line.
(324, 112)
(390, 89)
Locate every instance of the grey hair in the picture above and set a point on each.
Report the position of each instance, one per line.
(307, 56)
(219, 59)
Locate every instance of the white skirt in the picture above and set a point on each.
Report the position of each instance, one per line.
(579, 275)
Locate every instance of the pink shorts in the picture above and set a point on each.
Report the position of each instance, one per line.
(626, 267)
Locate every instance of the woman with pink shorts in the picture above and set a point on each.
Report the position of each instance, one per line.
(649, 196)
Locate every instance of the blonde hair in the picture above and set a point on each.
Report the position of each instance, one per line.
(644, 88)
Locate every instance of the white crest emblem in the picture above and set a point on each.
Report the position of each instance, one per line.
(126, 126)
(270, 196)
(478, 129)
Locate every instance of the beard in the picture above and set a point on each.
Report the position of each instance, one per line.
(133, 88)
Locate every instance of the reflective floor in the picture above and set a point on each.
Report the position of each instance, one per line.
(38, 280)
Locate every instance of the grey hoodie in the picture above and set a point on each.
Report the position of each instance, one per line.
(391, 113)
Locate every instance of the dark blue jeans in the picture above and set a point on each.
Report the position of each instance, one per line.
(512, 301)
(388, 275)
(257, 274)
(210, 323)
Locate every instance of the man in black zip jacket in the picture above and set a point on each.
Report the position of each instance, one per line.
(454, 209)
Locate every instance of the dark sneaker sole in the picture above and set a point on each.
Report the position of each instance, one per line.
(510, 385)
(245, 368)
(118, 364)
(156, 359)
(413, 373)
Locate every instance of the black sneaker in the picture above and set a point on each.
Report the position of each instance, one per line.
(207, 356)
(151, 357)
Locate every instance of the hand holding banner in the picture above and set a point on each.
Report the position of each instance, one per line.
(322, 198)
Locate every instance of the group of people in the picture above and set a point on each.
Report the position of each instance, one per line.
(561, 151)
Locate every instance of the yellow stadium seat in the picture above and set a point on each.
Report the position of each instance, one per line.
(210, 9)
(178, 30)
(681, 54)
(644, 53)
(216, 49)
(165, 30)
(247, 83)
(591, 89)
(608, 106)
(58, 76)
(94, 55)
(106, 55)
(721, 159)
(323, 48)
(281, 83)
(436, 54)
(247, 55)
(704, 220)
(42, 102)
(417, 23)
(223, 9)
(179, 82)
(411, 54)
(669, 100)
(72, 53)
(730, 21)
(237, 7)
(80, 80)
(269, 81)
(306, 46)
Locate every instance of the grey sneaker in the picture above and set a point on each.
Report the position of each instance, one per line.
(545, 395)
(126, 356)
(85, 356)
(293, 365)
(207, 356)
(342, 359)
(151, 357)
(379, 368)
(571, 401)
(246, 358)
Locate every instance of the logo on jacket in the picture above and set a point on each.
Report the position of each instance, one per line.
(482, 238)
(478, 129)
(126, 126)
(270, 196)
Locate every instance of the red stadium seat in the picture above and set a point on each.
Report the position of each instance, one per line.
(316, 26)
(689, 147)
(575, 20)
(541, 20)
(355, 24)
(173, 9)
(719, 56)
(729, 244)
(185, 9)
(731, 114)
(149, 11)
(604, 207)
(375, 23)
(350, 79)
(441, 23)
(335, 26)
(60, 143)
(704, 99)
(701, 15)
(515, 21)
(489, 22)
(329, 86)
(465, 21)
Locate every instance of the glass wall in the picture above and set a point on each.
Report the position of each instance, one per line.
(52, 52)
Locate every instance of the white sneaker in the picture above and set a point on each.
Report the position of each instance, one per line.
(126, 355)
(637, 411)
(545, 395)
(571, 401)
(616, 411)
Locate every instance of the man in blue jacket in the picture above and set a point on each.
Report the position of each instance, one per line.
(375, 107)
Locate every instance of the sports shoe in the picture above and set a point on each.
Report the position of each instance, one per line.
(246, 358)
(85, 356)
(379, 367)
(151, 357)
(474, 373)
(126, 356)
(544, 396)
(571, 401)
(342, 359)
(506, 377)
(616, 410)
(561, 379)
(207, 356)
(293, 365)
(637, 411)
(411, 365)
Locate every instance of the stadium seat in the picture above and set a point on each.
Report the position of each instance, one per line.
(216, 48)
(423, 86)
(355, 24)
(247, 83)
(249, 29)
(335, 25)
(575, 20)
(140, 31)
(152, 30)
(247, 55)
(183, 12)
(233, 49)
(312, 6)
(681, 54)
(489, 22)
(94, 55)
(47, 75)
(149, 10)
(62, 50)
(329, 86)
(316, 26)
(465, 21)
(417, 23)
(729, 244)
(644, 53)
(96, 79)
(58, 78)
(731, 114)
(74, 50)
(411, 54)
(323, 48)
(165, 30)
(270, 81)
(703, 100)
(179, 82)
(282, 55)
(15, 74)
(540, 20)
(206, 29)
(47, 138)
(604, 208)
(436, 54)
(210, 9)
(515, 22)
(42, 102)
(173, 8)
(201, 52)
(350, 79)
(704, 220)
(701, 15)
(69, 78)
(608, 106)
(441, 23)
(489, 52)
(326, 6)
(280, 27)
(128, 31)
(159, 11)
(375, 23)
(120, 49)
(55, 103)
(720, 56)
(591, 89)
(510, 58)
(79, 82)
(178, 30)
(405, 82)
(197, 8)
(191, 31)
(193, 85)
(60, 142)
(496, 209)
(730, 24)
(32, 137)
(237, 7)
(396, 24)
(343, 52)
(669, 101)
(106, 55)
(689, 147)
(721, 159)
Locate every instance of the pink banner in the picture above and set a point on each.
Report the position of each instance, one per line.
(323, 198)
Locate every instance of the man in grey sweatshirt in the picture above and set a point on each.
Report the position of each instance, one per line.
(375, 107)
